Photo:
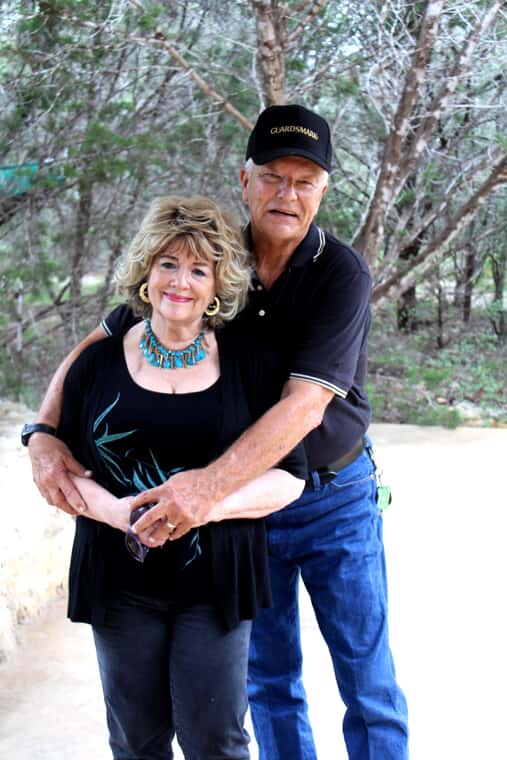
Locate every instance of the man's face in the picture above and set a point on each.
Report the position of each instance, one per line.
(283, 197)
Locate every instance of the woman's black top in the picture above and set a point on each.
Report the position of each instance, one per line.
(134, 439)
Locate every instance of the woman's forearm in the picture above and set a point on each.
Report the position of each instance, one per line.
(102, 505)
(267, 493)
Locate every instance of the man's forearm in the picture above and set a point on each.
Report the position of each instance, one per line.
(266, 442)
(190, 497)
(51, 406)
(51, 459)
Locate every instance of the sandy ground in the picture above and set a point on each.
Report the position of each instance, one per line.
(447, 563)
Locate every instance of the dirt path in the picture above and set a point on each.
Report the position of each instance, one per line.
(34, 539)
(447, 564)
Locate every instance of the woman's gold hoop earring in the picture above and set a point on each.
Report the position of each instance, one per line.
(143, 293)
(213, 308)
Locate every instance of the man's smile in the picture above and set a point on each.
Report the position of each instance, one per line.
(283, 212)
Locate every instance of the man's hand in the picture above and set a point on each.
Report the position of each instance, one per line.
(183, 503)
(51, 464)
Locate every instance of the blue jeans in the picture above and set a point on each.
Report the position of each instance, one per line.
(165, 672)
(332, 537)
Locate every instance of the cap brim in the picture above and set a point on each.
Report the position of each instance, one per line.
(263, 157)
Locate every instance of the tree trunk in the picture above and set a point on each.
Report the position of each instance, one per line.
(498, 316)
(406, 308)
(406, 311)
(470, 263)
(271, 21)
(440, 313)
(77, 262)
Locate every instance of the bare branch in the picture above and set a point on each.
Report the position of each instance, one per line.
(303, 24)
(371, 235)
(400, 156)
(159, 39)
(399, 282)
(400, 243)
(440, 101)
(301, 7)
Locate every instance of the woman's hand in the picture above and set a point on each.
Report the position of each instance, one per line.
(102, 506)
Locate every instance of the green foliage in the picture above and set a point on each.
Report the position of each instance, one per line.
(406, 198)
(37, 272)
(411, 383)
(501, 139)
(442, 416)
(347, 86)
(123, 123)
(433, 377)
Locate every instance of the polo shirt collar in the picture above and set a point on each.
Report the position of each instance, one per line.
(309, 248)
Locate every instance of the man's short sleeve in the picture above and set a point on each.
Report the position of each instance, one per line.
(119, 321)
(332, 335)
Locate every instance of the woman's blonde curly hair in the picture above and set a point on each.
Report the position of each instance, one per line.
(209, 233)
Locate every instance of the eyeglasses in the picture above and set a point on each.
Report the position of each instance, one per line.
(134, 545)
(302, 186)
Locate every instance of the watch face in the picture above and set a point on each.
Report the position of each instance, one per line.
(25, 434)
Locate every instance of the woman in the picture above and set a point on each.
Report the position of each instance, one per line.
(172, 631)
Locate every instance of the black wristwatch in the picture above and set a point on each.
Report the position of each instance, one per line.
(37, 427)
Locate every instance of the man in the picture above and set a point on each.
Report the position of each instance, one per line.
(311, 296)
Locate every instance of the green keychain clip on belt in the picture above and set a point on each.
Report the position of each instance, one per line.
(384, 497)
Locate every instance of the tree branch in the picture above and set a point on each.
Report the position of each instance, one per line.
(370, 237)
(159, 39)
(399, 159)
(303, 24)
(399, 282)
(399, 244)
(438, 104)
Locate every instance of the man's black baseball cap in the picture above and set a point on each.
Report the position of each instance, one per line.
(290, 131)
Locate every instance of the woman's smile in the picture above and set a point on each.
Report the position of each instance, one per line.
(176, 298)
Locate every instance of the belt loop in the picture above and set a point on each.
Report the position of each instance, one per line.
(315, 480)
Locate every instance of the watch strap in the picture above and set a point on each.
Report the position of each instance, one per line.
(36, 427)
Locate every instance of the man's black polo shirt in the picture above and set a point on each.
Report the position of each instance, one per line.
(316, 315)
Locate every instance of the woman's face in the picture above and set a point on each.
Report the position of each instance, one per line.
(180, 285)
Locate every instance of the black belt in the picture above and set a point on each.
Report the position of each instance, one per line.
(328, 473)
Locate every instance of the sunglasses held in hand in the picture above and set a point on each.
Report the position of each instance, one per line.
(135, 546)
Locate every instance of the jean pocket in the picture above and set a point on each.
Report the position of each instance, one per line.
(358, 473)
(340, 485)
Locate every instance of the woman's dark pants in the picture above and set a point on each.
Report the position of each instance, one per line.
(165, 672)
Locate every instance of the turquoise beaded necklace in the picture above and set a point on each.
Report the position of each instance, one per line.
(159, 356)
